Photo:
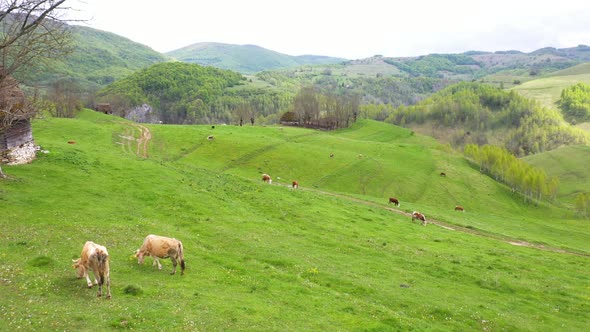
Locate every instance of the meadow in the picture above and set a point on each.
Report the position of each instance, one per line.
(547, 90)
(329, 256)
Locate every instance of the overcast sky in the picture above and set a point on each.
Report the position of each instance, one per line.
(350, 29)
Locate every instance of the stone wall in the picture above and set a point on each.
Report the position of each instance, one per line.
(22, 154)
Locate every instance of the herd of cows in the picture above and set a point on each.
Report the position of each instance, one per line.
(392, 200)
(96, 258)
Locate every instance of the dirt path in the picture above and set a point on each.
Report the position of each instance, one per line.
(451, 227)
(133, 145)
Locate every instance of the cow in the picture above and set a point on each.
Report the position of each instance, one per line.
(459, 208)
(266, 178)
(394, 200)
(210, 137)
(443, 174)
(420, 216)
(95, 257)
(332, 155)
(161, 247)
(295, 184)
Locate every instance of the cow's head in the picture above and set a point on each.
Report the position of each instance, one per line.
(80, 269)
(139, 255)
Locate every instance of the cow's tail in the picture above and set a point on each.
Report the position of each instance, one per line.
(181, 257)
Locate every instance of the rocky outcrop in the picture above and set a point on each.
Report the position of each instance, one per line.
(142, 114)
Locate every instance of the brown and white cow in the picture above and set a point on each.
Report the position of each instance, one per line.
(295, 184)
(459, 208)
(420, 216)
(394, 200)
(161, 247)
(266, 178)
(95, 257)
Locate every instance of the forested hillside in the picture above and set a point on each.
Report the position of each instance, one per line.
(246, 59)
(473, 113)
(98, 58)
(189, 93)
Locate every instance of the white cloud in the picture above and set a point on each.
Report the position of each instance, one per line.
(351, 29)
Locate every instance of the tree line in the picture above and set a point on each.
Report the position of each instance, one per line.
(476, 113)
(533, 183)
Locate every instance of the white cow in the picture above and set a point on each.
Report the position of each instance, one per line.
(95, 257)
(161, 247)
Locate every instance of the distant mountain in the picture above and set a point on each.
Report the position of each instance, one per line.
(99, 58)
(246, 59)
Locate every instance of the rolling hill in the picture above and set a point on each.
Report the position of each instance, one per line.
(570, 165)
(246, 59)
(548, 89)
(329, 256)
(98, 58)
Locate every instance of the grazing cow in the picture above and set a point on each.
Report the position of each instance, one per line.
(266, 178)
(443, 174)
(71, 142)
(95, 257)
(161, 247)
(210, 137)
(394, 200)
(459, 208)
(332, 155)
(295, 184)
(420, 216)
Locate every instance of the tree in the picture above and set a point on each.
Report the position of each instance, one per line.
(307, 105)
(30, 31)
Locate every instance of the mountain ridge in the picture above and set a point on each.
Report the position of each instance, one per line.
(246, 58)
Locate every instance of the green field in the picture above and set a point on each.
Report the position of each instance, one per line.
(330, 256)
(570, 165)
(548, 89)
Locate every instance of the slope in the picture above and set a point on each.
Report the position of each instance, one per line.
(98, 58)
(265, 257)
(246, 59)
(547, 90)
(570, 165)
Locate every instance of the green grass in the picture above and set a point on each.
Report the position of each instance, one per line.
(570, 165)
(265, 257)
(547, 90)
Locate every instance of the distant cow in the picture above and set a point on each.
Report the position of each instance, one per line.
(210, 137)
(95, 257)
(332, 155)
(420, 216)
(161, 247)
(295, 184)
(443, 174)
(459, 208)
(266, 178)
(394, 200)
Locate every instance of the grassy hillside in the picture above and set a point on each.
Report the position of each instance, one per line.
(330, 256)
(570, 165)
(246, 59)
(548, 89)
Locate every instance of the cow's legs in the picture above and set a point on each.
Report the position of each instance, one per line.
(88, 281)
(157, 262)
(173, 259)
(108, 286)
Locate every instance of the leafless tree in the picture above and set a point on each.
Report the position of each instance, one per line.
(31, 31)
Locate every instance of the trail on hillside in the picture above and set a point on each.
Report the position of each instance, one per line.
(133, 145)
(451, 227)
